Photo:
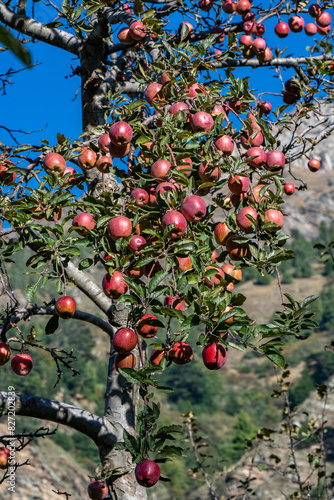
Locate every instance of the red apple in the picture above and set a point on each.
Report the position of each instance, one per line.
(289, 189)
(282, 30)
(124, 36)
(177, 107)
(243, 222)
(214, 356)
(70, 170)
(127, 360)
(256, 192)
(195, 89)
(259, 46)
(229, 6)
(119, 227)
(181, 353)
(310, 29)
(208, 173)
(314, 10)
(265, 107)
(184, 263)
(324, 19)
(205, 5)
(260, 29)
(193, 208)
(113, 285)
(140, 196)
(202, 122)
(147, 473)
(5, 353)
(87, 159)
(219, 31)
(86, 221)
(324, 31)
(187, 25)
(275, 216)
(103, 143)
(296, 24)
(153, 92)
(313, 165)
(7, 178)
(246, 40)
(225, 144)
(136, 242)
(214, 280)
(160, 169)
(22, 364)
(165, 187)
(243, 6)
(103, 164)
(237, 251)
(97, 490)
(65, 307)
(124, 340)
(144, 328)
(275, 159)
(266, 56)
(54, 162)
(137, 30)
(238, 184)
(221, 233)
(176, 219)
(260, 155)
(120, 133)
(157, 356)
(175, 302)
(4, 457)
(186, 166)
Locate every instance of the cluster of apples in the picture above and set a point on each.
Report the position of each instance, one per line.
(296, 24)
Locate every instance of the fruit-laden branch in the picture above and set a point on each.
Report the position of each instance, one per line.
(36, 30)
(96, 428)
(23, 314)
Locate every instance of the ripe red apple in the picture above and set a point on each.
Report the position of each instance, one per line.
(310, 29)
(136, 242)
(214, 280)
(127, 360)
(195, 89)
(324, 31)
(185, 166)
(265, 107)
(236, 251)
(153, 92)
(259, 46)
(231, 270)
(113, 285)
(176, 219)
(137, 30)
(238, 184)
(243, 222)
(69, 170)
(119, 151)
(205, 5)
(165, 187)
(124, 36)
(214, 356)
(87, 159)
(181, 353)
(140, 196)
(201, 122)
(282, 29)
(219, 31)
(243, 6)
(260, 29)
(296, 24)
(4, 457)
(256, 192)
(193, 208)
(275, 159)
(314, 10)
(103, 143)
(313, 165)
(65, 307)
(177, 107)
(157, 356)
(103, 164)
(120, 133)
(266, 56)
(5, 353)
(54, 162)
(147, 473)
(260, 155)
(144, 328)
(275, 216)
(97, 490)
(324, 19)
(249, 27)
(229, 6)
(289, 188)
(186, 24)
(290, 98)
(218, 110)
(175, 302)
(85, 220)
(119, 227)
(22, 364)
(209, 173)
(221, 233)
(124, 340)
(246, 40)
(7, 178)
(184, 263)
(225, 144)
(160, 169)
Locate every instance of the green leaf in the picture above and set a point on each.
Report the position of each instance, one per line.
(131, 375)
(156, 280)
(31, 292)
(52, 325)
(84, 264)
(9, 41)
(130, 442)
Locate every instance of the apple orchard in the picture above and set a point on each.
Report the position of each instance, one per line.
(176, 185)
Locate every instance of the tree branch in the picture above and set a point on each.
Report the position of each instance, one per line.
(28, 26)
(96, 428)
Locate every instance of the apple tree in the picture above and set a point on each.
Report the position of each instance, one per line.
(176, 184)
